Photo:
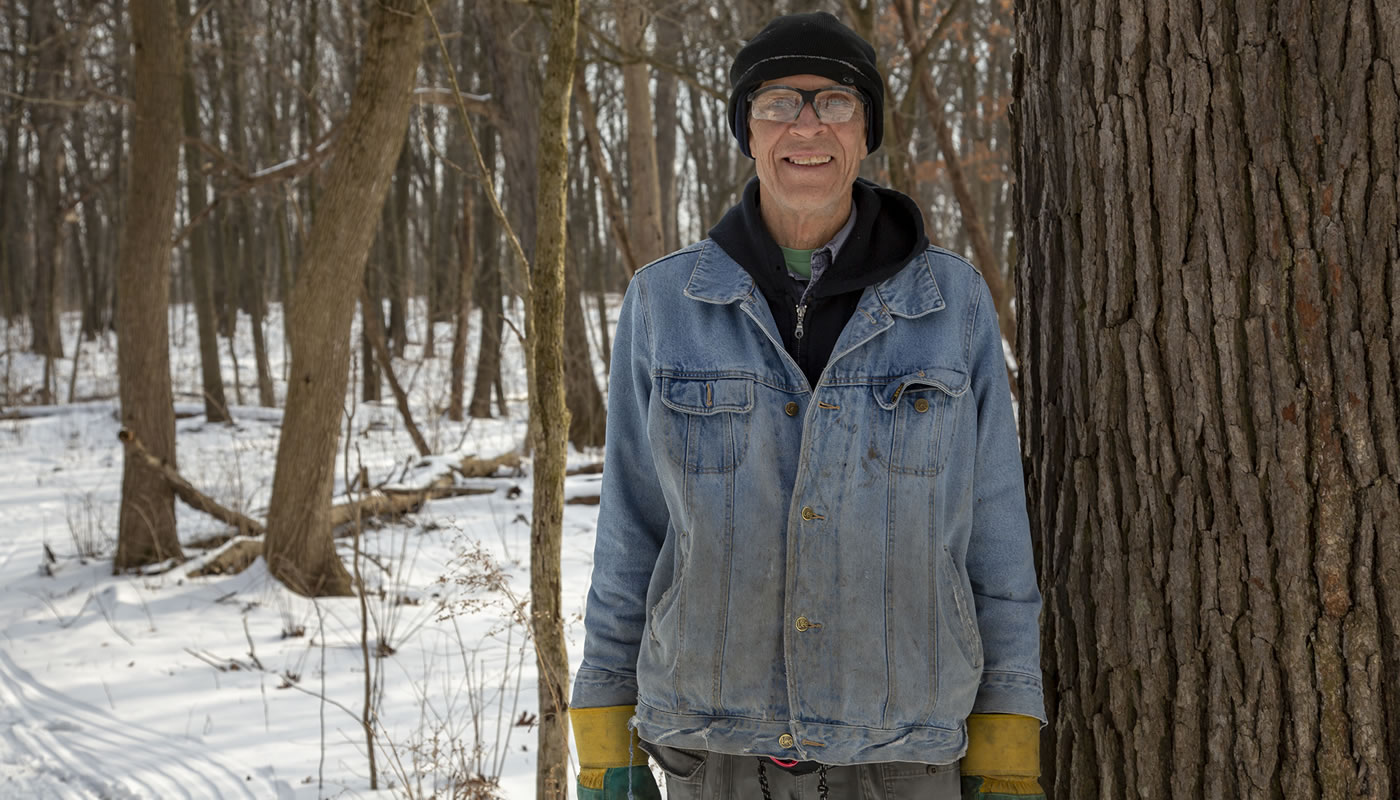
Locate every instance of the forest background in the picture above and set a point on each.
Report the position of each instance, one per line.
(1187, 217)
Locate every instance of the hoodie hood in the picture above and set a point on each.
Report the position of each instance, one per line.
(888, 234)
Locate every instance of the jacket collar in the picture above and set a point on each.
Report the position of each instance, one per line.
(910, 292)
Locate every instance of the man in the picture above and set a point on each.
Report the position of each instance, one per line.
(813, 572)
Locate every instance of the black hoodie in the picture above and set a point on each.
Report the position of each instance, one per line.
(888, 234)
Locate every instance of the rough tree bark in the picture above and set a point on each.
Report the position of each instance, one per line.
(1210, 348)
(547, 406)
(146, 527)
(299, 549)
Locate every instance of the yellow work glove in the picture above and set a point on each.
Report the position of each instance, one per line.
(611, 765)
(1003, 758)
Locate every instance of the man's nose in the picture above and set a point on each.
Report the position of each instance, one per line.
(807, 119)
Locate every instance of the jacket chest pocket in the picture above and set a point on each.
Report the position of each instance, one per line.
(706, 422)
(916, 418)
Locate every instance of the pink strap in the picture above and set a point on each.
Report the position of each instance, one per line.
(782, 763)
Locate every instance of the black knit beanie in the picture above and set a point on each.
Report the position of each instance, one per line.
(807, 44)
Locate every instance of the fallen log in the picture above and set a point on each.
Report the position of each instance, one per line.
(376, 504)
(473, 467)
(235, 556)
(184, 490)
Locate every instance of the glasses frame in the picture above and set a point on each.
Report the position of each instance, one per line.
(809, 97)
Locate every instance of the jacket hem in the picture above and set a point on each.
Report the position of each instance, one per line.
(830, 744)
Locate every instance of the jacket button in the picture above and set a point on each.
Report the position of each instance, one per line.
(808, 514)
(785, 740)
(921, 405)
(803, 623)
(791, 409)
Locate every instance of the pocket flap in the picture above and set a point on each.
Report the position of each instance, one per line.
(951, 382)
(707, 395)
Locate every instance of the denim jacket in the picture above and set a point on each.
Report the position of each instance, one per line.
(840, 573)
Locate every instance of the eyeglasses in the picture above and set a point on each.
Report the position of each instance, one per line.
(832, 104)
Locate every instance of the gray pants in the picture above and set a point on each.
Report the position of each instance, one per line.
(697, 775)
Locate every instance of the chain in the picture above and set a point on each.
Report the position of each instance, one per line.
(763, 779)
(821, 782)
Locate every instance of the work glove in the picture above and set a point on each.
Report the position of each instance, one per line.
(610, 762)
(1003, 758)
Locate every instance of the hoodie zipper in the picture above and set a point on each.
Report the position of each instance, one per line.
(801, 312)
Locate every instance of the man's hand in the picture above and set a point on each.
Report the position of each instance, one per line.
(1003, 758)
(611, 766)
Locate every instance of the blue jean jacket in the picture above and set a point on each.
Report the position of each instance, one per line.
(840, 573)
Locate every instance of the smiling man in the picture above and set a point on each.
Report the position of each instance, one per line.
(813, 573)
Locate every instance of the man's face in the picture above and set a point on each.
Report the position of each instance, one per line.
(807, 166)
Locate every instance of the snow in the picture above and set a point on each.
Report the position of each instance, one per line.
(173, 685)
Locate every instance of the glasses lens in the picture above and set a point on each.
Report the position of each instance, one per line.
(781, 104)
(835, 106)
(776, 105)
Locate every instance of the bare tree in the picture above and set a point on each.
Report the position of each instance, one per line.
(47, 38)
(196, 194)
(299, 548)
(648, 239)
(1209, 355)
(547, 406)
(146, 530)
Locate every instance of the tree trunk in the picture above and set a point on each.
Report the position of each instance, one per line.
(146, 528)
(467, 253)
(588, 413)
(1210, 347)
(488, 356)
(46, 39)
(18, 259)
(215, 406)
(373, 281)
(300, 551)
(644, 208)
(548, 409)
(396, 270)
(669, 40)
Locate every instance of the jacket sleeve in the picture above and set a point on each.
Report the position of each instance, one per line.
(632, 520)
(1000, 563)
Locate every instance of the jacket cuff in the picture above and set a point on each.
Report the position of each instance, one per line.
(1004, 692)
(1002, 745)
(603, 739)
(597, 687)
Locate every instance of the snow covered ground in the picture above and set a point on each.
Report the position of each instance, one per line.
(172, 685)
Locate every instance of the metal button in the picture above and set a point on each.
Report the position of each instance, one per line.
(791, 409)
(785, 740)
(808, 514)
(803, 623)
(921, 405)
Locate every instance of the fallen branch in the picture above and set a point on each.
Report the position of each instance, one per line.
(235, 556)
(385, 503)
(473, 467)
(191, 496)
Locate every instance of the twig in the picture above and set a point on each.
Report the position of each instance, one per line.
(252, 651)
